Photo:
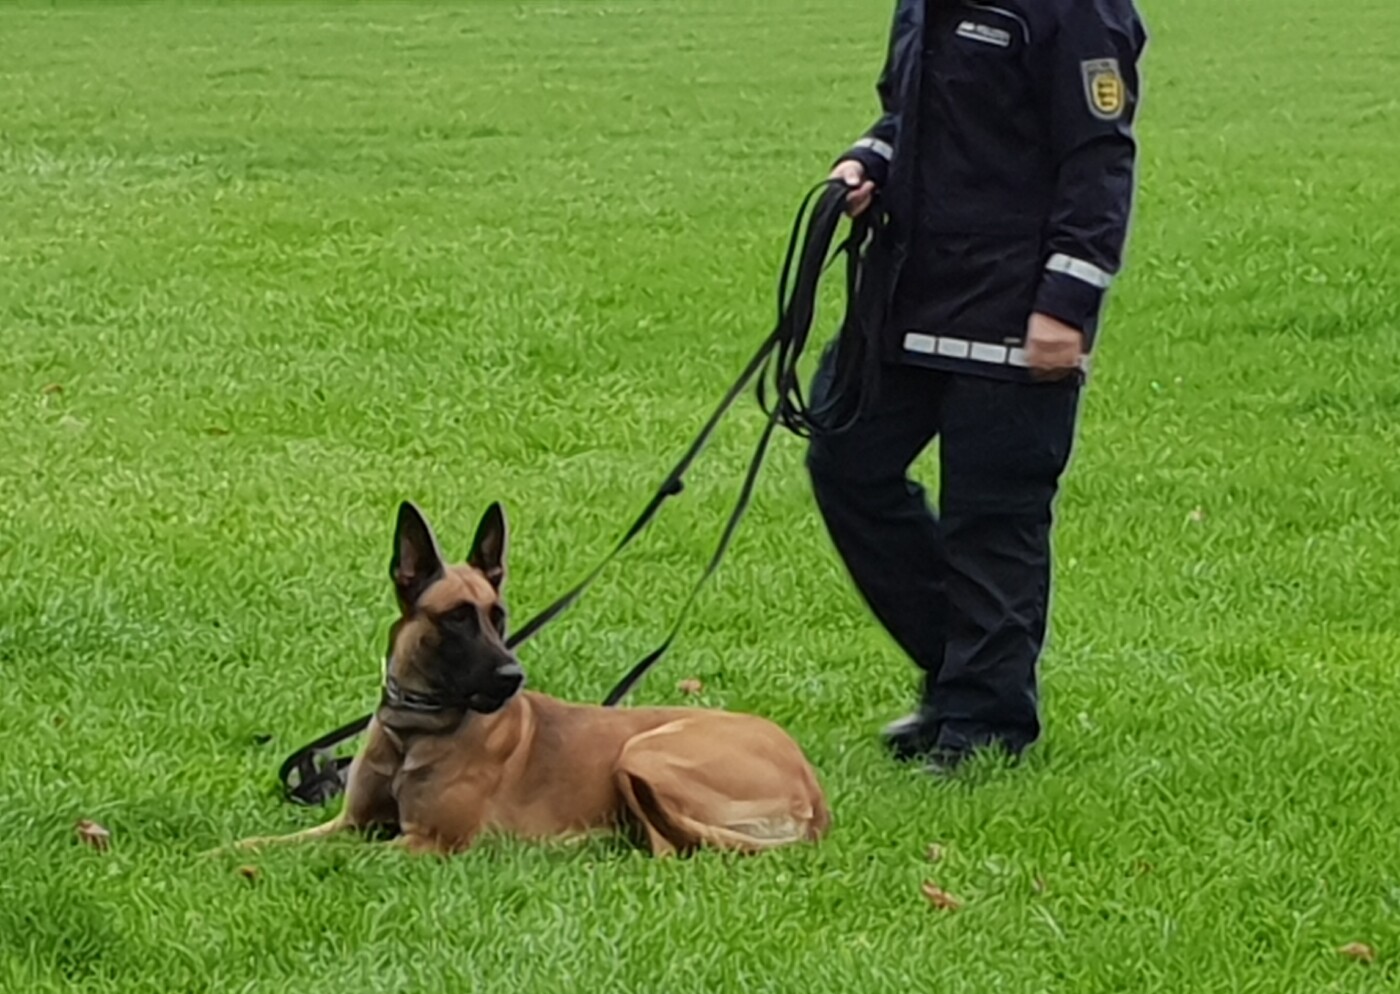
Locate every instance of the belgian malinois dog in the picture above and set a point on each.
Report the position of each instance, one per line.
(457, 749)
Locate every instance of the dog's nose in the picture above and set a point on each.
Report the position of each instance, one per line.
(510, 673)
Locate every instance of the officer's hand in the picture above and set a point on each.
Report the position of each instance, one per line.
(852, 173)
(1053, 348)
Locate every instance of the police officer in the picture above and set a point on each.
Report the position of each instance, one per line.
(1002, 169)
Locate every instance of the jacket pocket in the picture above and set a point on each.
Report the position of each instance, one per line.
(976, 285)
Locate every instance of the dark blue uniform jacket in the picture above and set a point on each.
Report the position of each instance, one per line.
(1005, 161)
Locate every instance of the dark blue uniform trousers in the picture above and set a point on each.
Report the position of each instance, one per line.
(965, 593)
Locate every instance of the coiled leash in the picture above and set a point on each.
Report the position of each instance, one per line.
(313, 776)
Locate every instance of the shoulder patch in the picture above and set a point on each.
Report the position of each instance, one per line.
(1103, 88)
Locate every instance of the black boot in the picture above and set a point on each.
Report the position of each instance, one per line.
(914, 736)
(952, 752)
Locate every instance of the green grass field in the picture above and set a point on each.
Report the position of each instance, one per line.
(268, 269)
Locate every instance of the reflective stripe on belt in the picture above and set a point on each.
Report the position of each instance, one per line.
(962, 348)
(952, 347)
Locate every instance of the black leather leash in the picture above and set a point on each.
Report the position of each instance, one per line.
(313, 776)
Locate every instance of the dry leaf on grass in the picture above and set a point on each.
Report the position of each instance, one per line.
(1039, 884)
(690, 687)
(52, 389)
(1358, 951)
(934, 852)
(940, 898)
(249, 873)
(1197, 516)
(90, 833)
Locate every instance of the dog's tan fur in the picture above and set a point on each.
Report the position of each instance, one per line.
(540, 768)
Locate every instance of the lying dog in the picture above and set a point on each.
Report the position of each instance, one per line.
(457, 749)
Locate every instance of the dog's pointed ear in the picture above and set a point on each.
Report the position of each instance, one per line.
(417, 563)
(489, 547)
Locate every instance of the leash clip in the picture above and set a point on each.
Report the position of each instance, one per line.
(319, 778)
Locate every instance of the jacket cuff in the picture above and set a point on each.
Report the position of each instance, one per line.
(1072, 291)
(874, 155)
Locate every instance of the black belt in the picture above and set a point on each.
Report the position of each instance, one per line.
(312, 776)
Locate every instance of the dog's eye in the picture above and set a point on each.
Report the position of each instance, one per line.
(464, 615)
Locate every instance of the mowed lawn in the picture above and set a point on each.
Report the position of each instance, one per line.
(268, 269)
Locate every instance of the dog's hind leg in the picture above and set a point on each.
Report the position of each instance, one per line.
(724, 781)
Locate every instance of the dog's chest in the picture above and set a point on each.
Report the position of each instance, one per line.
(526, 793)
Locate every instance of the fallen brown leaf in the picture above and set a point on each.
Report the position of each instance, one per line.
(1358, 951)
(690, 687)
(934, 852)
(52, 388)
(940, 898)
(218, 431)
(1197, 516)
(92, 834)
(249, 873)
